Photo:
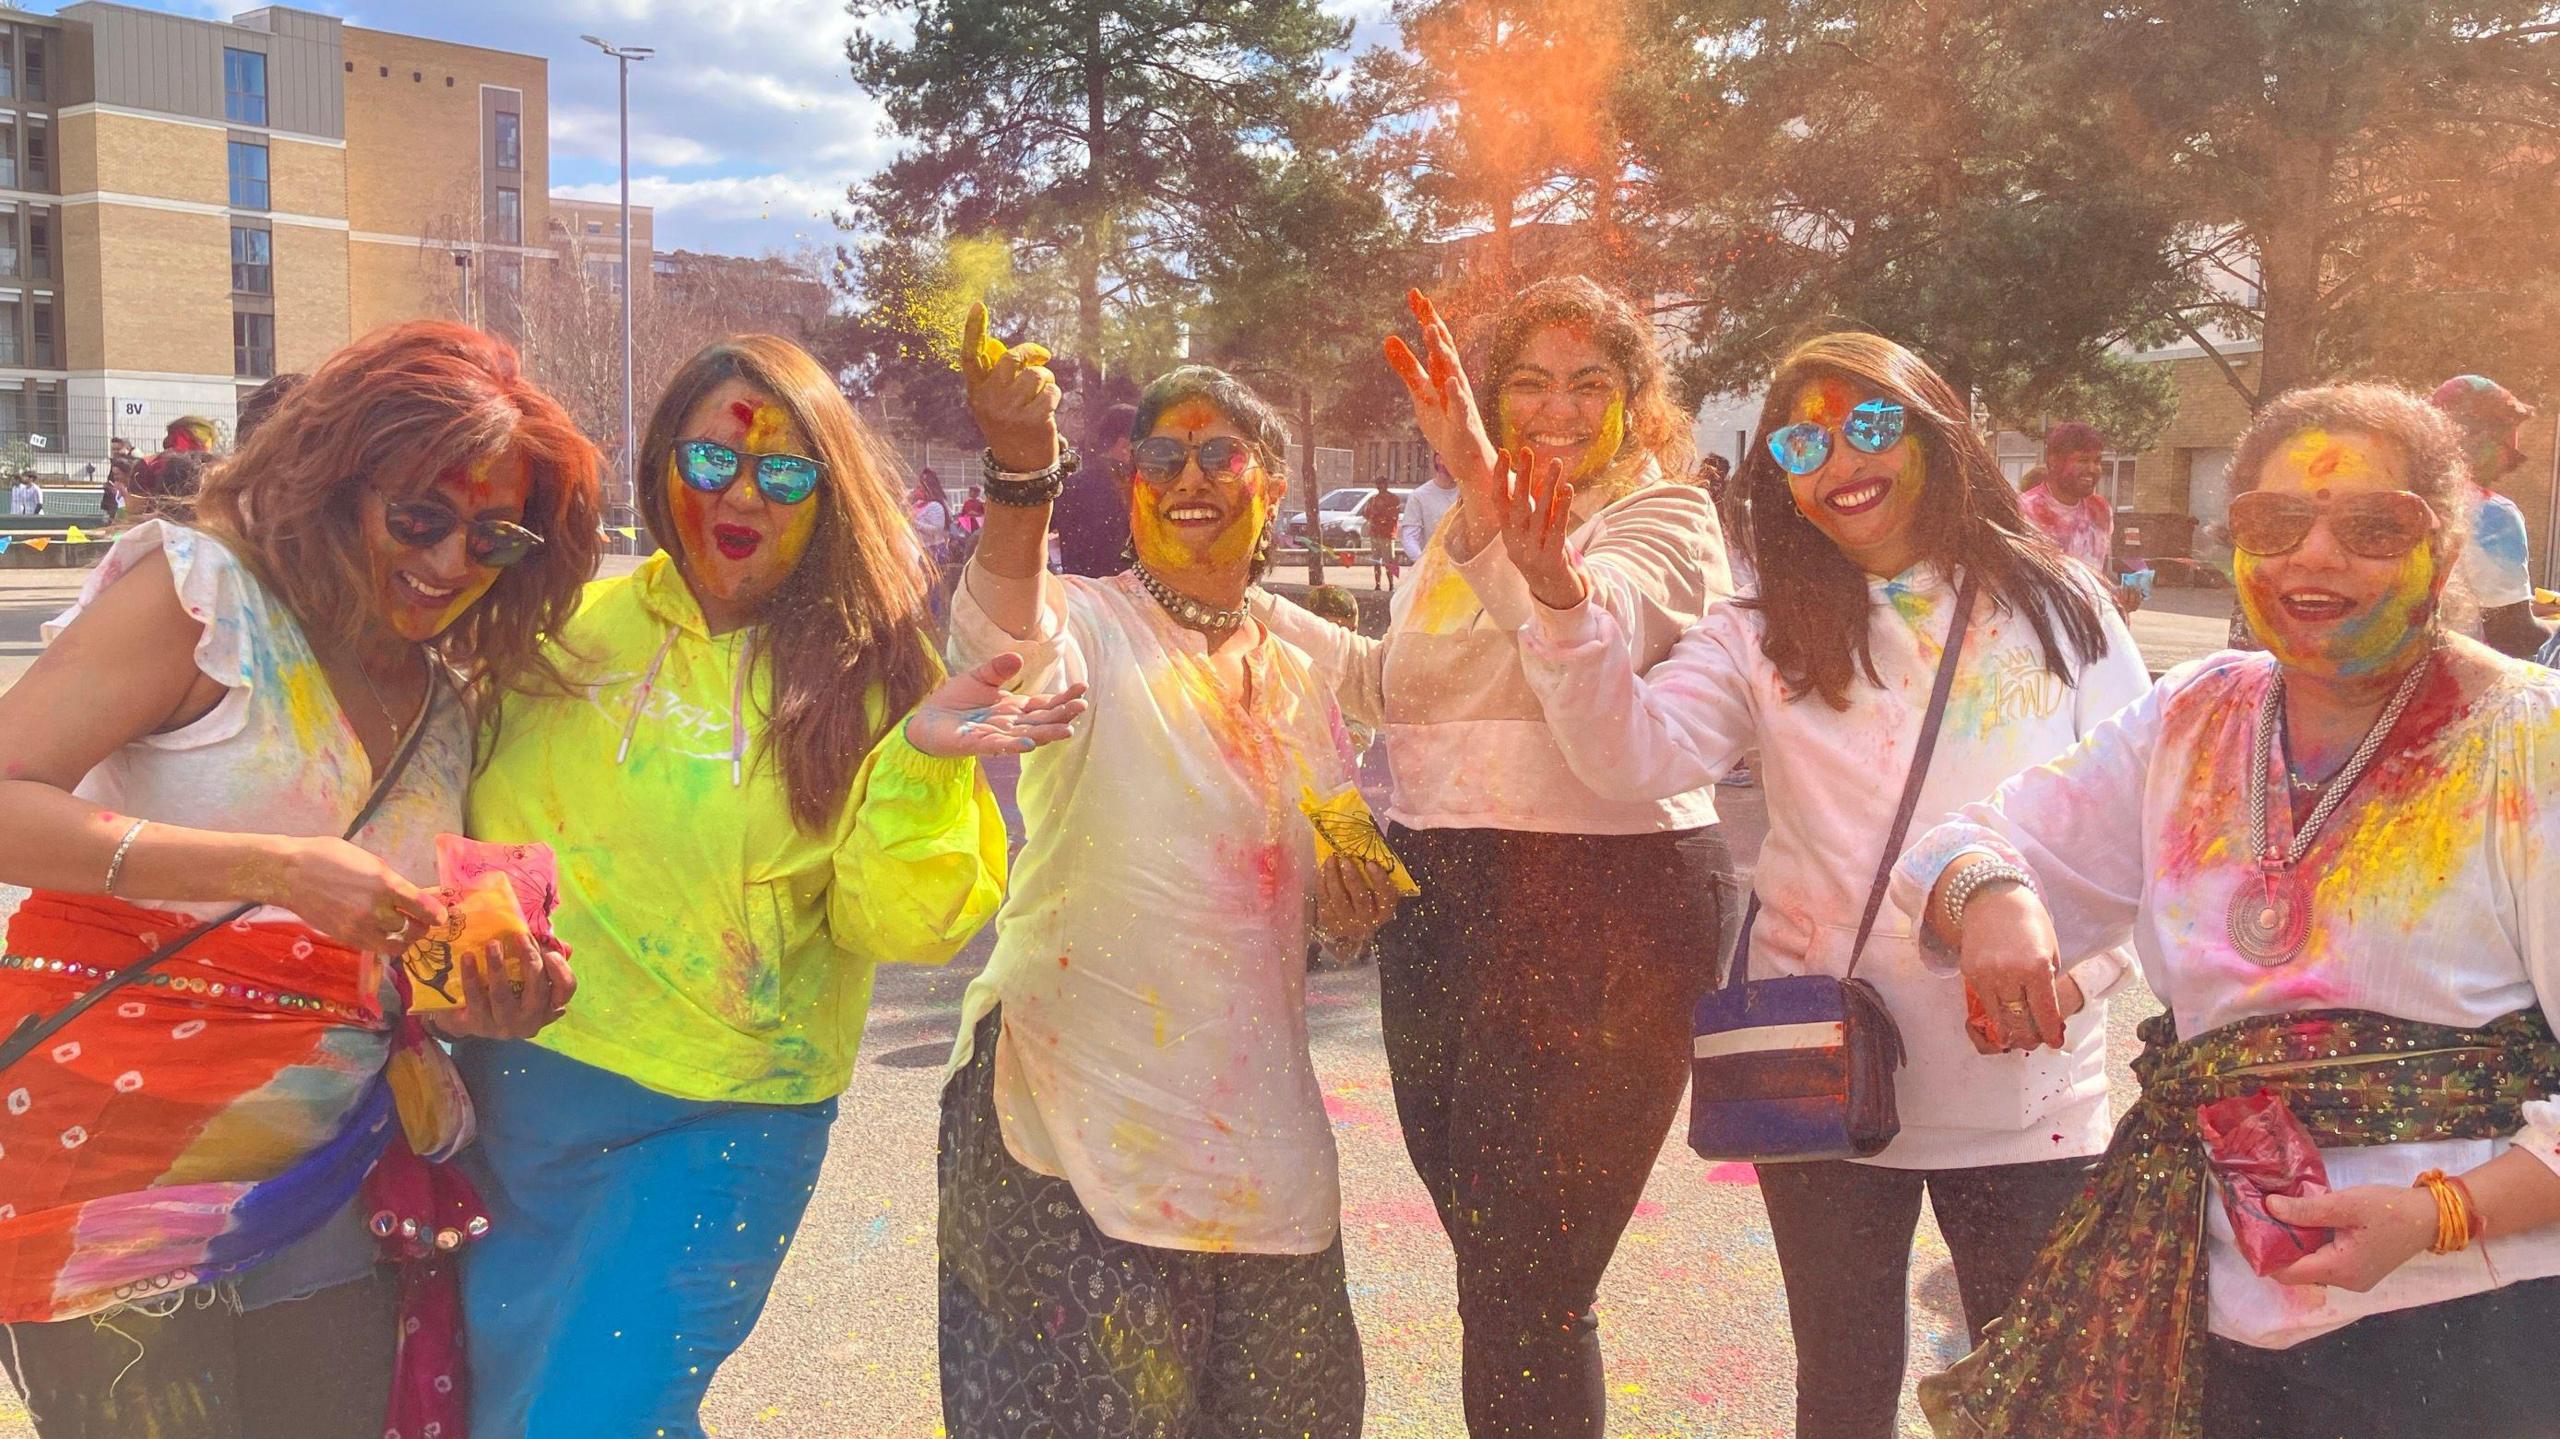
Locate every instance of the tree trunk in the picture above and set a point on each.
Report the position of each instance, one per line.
(2291, 235)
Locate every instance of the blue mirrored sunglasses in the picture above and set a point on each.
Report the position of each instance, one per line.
(1872, 428)
(711, 467)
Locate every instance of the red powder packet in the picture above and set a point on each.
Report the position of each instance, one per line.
(531, 869)
(2258, 1148)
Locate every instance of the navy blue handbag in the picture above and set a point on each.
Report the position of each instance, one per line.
(1801, 1067)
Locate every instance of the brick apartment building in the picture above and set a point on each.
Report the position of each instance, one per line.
(188, 207)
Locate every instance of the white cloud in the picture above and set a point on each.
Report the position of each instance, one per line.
(760, 202)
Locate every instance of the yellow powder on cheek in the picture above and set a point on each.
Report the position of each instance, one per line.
(1605, 445)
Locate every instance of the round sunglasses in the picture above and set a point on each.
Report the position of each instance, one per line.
(709, 466)
(1160, 458)
(423, 525)
(2373, 524)
(1872, 428)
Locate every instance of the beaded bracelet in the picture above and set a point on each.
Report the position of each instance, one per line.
(1027, 491)
(1972, 881)
(115, 865)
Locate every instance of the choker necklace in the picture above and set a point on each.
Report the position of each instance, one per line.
(2270, 920)
(1188, 610)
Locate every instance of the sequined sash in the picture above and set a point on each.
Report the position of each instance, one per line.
(2107, 1335)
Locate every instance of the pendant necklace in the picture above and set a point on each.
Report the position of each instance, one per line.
(2271, 919)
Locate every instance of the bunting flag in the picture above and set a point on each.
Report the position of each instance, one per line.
(627, 532)
(5, 541)
(71, 536)
(40, 543)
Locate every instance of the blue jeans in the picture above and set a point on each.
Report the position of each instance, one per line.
(633, 1239)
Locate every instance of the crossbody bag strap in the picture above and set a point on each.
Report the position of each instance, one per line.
(34, 1030)
(1929, 727)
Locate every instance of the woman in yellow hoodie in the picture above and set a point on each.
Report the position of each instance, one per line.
(754, 800)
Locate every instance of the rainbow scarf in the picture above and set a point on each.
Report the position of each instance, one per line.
(197, 1122)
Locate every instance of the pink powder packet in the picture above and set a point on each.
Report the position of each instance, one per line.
(531, 869)
(2257, 1148)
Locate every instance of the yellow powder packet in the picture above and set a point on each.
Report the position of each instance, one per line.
(1344, 826)
(478, 912)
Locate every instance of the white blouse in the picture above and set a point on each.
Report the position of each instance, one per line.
(2433, 901)
(1151, 955)
(1834, 778)
(276, 755)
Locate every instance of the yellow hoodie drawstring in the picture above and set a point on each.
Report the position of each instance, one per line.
(640, 701)
(737, 704)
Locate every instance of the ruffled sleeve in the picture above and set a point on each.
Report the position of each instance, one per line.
(218, 592)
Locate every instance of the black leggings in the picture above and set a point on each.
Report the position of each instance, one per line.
(1843, 1235)
(2474, 1368)
(1536, 1000)
(314, 1368)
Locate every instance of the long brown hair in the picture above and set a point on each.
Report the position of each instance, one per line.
(852, 616)
(1813, 599)
(1579, 302)
(391, 412)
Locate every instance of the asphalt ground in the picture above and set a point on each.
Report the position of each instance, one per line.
(1692, 1314)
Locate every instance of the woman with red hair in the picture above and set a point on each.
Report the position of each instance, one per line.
(222, 704)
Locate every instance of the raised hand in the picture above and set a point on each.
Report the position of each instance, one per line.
(1444, 405)
(1012, 396)
(1536, 517)
(972, 714)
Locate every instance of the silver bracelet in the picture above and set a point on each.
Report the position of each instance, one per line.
(1972, 881)
(115, 866)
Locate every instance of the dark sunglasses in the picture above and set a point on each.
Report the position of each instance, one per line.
(423, 525)
(709, 466)
(2377, 525)
(1160, 458)
(1872, 428)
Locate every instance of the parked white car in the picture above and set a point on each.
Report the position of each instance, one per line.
(1339, 512)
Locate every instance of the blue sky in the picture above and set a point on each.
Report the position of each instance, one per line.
(745, 130)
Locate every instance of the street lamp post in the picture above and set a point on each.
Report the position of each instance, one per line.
(623, 55)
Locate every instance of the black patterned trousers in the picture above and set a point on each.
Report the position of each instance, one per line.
(1051, 1328)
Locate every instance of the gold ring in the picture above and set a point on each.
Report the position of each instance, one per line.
(2015, 1006)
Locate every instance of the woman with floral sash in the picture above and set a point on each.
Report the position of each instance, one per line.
(2339, 882)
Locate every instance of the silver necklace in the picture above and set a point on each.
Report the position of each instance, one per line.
(399, 731)
(1188, 610)
(2269, 921)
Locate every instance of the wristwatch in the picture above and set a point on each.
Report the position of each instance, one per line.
(1974, 880)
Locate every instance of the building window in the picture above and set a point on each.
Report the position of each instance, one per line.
(8, 153)
(8, 65)
(41, 355)
(510, 140)
(244, 87)
(11, 352)
(606, 274)
(35, 68)
(39, 155)
(595, 227)
(49, 411)
(506, 226)
(252, 261)
(253, 346)
(9, 256)
(40, 244)
(248, 175)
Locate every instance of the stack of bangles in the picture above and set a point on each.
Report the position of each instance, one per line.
(2458, 1220)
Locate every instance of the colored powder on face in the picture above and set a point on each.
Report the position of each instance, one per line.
(1824, 400)
(770, 431)
(1605, 445)
(2321, 459)
(2370, 642)
(1166, 550)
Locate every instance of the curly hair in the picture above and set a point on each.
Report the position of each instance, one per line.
(1613, 324)
(1263, 429)
(851, 617)
(392, 412)
(2429, 441)
(1814, 599)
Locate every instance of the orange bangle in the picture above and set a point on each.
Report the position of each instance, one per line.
(2454, 1227)
(2470, 1206)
